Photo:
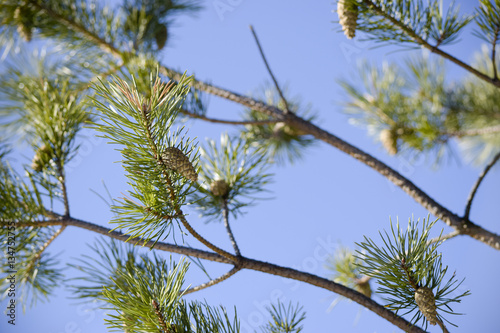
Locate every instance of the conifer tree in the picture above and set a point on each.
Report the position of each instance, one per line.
(133, 100)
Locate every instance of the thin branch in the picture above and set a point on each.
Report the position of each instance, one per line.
(48, 242)
(229, 122)
(443, 327)
(105, 46)
(478, 182)
(210, 283)
(443, 238)
(244, 263)
(62, 181)
(280, 92)
(160, 316)
(43, 248)
(433, 48)
(225, 213)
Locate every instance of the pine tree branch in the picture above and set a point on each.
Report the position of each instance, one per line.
(48, 242)
(225, 213)
(229, 122)
(43, 248)
(443, 238)
(105, 46)
(463, 226)
(478, 182)
(433, 48)
(280, 92)
(451, 219)
(62, 180)
(443, 327)
(178, 211)
(210, 283)
(243, 263)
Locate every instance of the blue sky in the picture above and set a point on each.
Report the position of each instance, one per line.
(324, 200)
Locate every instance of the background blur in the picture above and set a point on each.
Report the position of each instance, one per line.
(324, 200)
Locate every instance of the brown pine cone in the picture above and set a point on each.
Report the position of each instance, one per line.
(348, 17)
(427, 304)
(219, 188)
(175, 159)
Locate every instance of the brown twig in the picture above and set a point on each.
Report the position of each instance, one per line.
(229, 122)
(159, 315)
(280, 92)
(244, 263)
(212, 282)
(225, 214)
(443, 238)
(68, 22)
(478, 182)
(441, 324)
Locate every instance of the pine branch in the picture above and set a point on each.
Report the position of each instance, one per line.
(445, 237)
(438, 210)
(244, 263)
(168, 181)
(478, 182)
(97, 40)
(212, 282)
(229, 122)
(62, 180)
(225, 214)
(451, 219)
(280, 92)
(433, 48)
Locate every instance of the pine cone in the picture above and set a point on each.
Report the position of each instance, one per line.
(219, 188)
(348, 16)
(175, 159)
(389, 140)
(161, 36)
(427, 304)
(42, 156)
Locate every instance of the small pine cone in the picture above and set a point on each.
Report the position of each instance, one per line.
(348, 17)
(389, 141)
(219, 188)
(175, 159)
(161, 36)
(427, 304)
(42, 156)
